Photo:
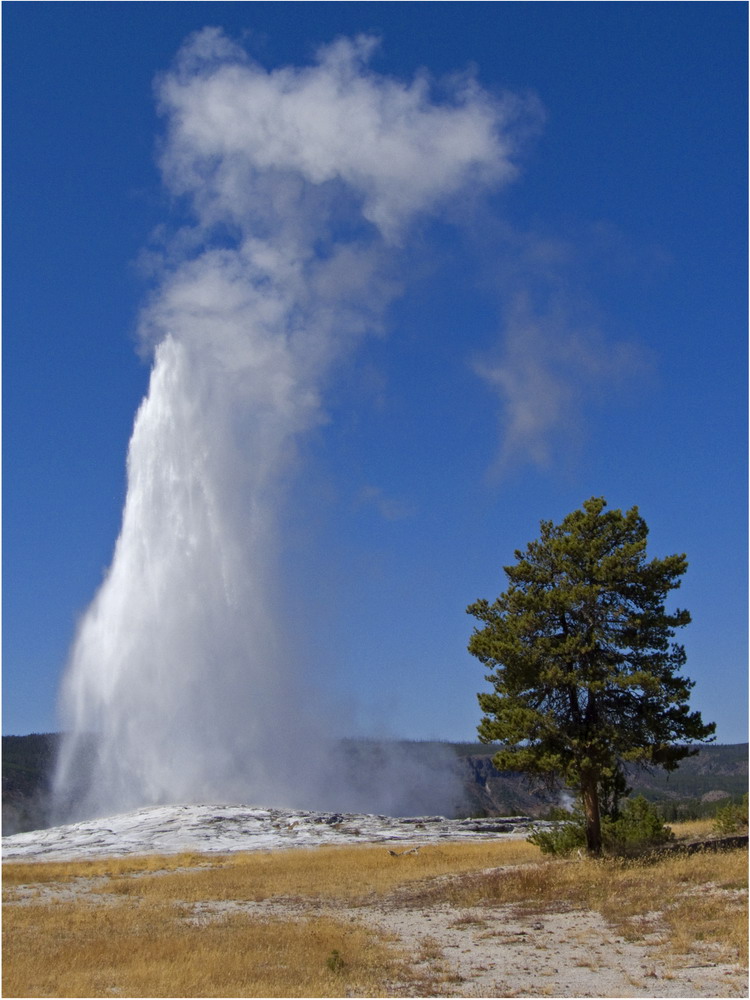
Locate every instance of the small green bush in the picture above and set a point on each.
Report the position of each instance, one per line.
(567, 836)
(335, 962)
(562, 839)
(638, 827)
(731, 817)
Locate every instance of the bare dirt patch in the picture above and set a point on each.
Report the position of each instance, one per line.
(499, 952)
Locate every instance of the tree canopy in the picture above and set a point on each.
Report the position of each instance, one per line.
(585, 671)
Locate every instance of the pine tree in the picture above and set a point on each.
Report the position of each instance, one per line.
(585, 672)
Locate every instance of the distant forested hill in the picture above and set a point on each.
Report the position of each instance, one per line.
(715, 774)
(27, 769)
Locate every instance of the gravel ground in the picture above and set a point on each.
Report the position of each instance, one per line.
(570, 954)
(496, 951)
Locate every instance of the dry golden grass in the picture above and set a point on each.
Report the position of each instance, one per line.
(20, 873)
(80, 950)
(694, 829)
(688, 899)
(144, 945)
(145, 941)
(346, 873)
(483, 854)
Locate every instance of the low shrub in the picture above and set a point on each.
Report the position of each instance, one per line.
(732, 817)
(565, 838)
(637, 828)
(335, 962)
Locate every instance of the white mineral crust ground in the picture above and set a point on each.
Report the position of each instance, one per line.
(221, 829)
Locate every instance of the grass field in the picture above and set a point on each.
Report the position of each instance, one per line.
(138, 926)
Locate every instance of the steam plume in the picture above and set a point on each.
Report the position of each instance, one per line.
(300, 184)
(553, 358)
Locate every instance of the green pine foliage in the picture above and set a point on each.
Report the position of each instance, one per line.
(585, 671)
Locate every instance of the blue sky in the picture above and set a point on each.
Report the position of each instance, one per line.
(607, 282)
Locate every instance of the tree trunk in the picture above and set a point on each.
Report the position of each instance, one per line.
(590, 796)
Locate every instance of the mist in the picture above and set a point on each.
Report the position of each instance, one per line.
(297, 189)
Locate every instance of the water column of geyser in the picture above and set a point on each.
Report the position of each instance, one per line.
(300, 185)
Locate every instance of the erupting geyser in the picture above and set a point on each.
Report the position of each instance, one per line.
(300, 185)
